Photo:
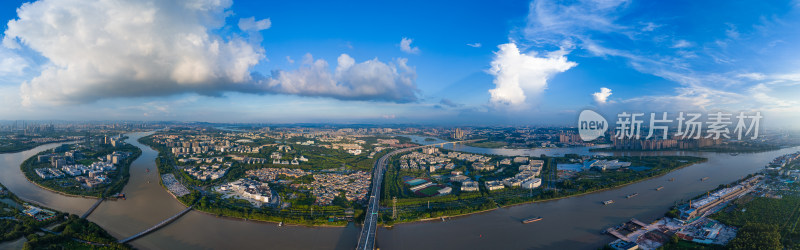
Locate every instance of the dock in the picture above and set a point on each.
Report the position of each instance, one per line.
(157, 226)
(637, 222)
(614, 232)
(92, 208)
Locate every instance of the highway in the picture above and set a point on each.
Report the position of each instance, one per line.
(366, 240)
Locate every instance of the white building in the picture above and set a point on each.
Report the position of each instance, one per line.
(531, 184)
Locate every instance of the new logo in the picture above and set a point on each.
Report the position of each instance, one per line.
(591, 125)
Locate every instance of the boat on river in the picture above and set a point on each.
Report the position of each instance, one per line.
(532, 219)
(631, 195)
(608, 202)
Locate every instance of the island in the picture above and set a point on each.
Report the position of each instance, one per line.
(286, 175)
(45, 228)
(97, 166)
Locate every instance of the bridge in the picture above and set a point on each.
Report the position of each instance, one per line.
(453, 142)
(157, 226)
(91, 209)
(366, 240)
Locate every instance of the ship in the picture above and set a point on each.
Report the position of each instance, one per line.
(704, 178)
(532, 219)
(119, 196)
(671, 179)
(734, 154)
(147, 170)
(608, 202)
(659, 188)
(632, 195)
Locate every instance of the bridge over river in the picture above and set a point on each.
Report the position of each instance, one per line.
(366, 239)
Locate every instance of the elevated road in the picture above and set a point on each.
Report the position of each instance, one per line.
(366, 240)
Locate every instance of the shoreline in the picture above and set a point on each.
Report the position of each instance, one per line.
(32, 147)
(139, 154)
(545, 200)
(59, 192)
(428, 219)
(245, 219)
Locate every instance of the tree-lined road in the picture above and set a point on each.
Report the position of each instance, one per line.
(366, 240)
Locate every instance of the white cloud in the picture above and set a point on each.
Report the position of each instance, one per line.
(732, 32)
(129, 48)
(649, 26)
(289, 59)
(556, 20)
(250, 24)
(474, 45)
(368, 80)
(602, 96)
(11, 64)
(405, 46)
(519, 75)
(681, 44)
(102, 50)
(753, 76)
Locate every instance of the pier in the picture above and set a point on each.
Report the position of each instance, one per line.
(92, 208)
(157, 226)
(614, 232)
(637, 222)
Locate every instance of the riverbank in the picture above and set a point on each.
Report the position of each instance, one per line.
(164, 166)
(681, 166)
(29, 147)
(121, 175)
(59, 192)
(50, 228)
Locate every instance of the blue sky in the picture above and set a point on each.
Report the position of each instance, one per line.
(475, 62)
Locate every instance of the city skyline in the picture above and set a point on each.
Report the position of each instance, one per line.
(512, 63)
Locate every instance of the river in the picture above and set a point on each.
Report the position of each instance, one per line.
(573, 223)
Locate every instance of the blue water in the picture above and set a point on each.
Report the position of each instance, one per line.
(571, 166)
(638, 168)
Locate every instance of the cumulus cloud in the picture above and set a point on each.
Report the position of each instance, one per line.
(11, 64)
(129, 48)
(368, 80)
(519, 75)
(250, 24)
(474, 45)
(602, 96)
(405, 46)
(111, 49)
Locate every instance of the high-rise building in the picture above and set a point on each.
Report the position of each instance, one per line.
(458, 134)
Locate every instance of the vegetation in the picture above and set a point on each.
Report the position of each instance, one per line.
(70, 231)
(119, 177)
(764, 223)
(488, 144)
(301, 212)
(412, 207)
(676, 244)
